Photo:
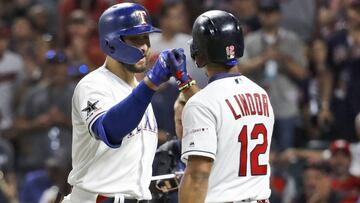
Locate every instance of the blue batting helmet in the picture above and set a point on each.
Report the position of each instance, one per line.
(120, 20)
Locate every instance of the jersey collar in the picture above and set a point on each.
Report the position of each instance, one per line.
(219, 76)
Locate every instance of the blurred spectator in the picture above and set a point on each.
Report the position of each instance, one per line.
(8, 185)
(35, 183)
(58, 166)
(173, 22)
(11, 75)
(83, 46)
(27, 43)
(93, 8)
(318, 116)
(44, 115)
(299, 17)
(44, 185)
(167, 161)
(355, 150)
(343, 63)
(346, 185)
(194, 9)
(40, 18)
(352, 151)
(22, 36)
(317, 185)
(274, 58)
(282, 184)
(20, 7)
(332, 16)
(153, 6)
(6, 10)
(247, 13)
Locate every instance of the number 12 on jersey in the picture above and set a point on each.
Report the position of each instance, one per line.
(255, 168)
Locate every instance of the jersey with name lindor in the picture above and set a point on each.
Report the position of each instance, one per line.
(98, 168)
(231, 121)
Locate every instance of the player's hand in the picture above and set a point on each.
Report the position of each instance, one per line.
(160, 72)
(177, 64)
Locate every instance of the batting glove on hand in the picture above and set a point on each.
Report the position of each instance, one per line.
(177, 64)
(160, 72)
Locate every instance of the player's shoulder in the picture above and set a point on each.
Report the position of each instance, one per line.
(251, 85)
(201, 100)
(198, 98)
(95, 77)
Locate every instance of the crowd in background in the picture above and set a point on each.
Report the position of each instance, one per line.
(305, 53)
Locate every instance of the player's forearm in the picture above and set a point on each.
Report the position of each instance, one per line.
(124, 117)
(193, 188)
(150, 84)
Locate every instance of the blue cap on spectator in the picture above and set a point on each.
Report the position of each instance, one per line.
(53, 56)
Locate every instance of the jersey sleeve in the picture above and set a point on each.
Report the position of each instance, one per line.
(199, 132)
(91, 101)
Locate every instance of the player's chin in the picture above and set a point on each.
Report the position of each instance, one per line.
(141, 65)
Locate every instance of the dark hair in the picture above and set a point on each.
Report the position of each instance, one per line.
(318, 165)
(269, 5)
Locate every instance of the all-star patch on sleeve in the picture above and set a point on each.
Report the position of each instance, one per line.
(91, 101)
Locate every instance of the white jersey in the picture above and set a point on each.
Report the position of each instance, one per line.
(11, 75)
(231, 121)
(98, 168)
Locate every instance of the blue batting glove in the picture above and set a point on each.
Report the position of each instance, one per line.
(160, 72)
(177, 64)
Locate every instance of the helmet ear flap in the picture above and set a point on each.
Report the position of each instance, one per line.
(111, 48)
(193, 50)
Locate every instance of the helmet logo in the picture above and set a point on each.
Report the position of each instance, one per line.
(230, 52)
(141, 15)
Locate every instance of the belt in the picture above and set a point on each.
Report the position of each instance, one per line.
(104, 199)
(253, 201)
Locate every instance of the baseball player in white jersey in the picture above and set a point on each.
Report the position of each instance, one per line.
(228, 125)
(114, 128)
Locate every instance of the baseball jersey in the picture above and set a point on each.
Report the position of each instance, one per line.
(98, 168)
(231, 121)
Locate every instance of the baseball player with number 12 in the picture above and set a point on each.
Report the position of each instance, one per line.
(114, 128)
(228, 125)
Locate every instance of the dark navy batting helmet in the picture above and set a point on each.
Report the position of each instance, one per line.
(121, 20)
(217, 38)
